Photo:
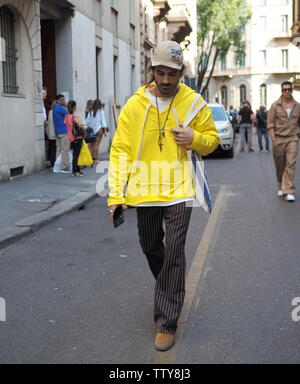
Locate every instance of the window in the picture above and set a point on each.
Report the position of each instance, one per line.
(146, 21)
(133, 82)
(115, 78)
(243, 94)
(9, 66)
(98, 54)
(223, 63)
(224, 95)
(241, 59)
(284, 23)
(285, 58)
(132, 36)
(262, 23)
(218, 113)
(114, 22)
(263, 58)
(263, 94)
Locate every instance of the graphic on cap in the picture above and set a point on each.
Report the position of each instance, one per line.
(169, 54)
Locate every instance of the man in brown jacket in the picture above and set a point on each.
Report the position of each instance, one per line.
(284, 130)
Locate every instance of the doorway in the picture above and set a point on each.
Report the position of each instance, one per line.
(49, 59)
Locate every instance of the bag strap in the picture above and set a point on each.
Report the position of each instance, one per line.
(192, 113)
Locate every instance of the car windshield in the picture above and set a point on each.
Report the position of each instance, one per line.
(218, 114)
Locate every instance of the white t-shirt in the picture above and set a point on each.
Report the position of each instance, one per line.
(163, 102)
(289, 111)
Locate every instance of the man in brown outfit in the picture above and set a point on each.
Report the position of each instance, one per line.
(284, 130)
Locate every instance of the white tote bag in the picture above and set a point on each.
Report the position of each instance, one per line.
(203, 196)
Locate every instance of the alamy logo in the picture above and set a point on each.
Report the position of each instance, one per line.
(2, 49)
(2, 309)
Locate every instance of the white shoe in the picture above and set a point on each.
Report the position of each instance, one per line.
(279, 193)
(290, 198)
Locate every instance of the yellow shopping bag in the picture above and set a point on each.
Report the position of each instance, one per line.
(85, 157)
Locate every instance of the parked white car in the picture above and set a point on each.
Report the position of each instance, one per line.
(224, 128)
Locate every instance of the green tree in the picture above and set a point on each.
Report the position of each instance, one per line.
(221, 25)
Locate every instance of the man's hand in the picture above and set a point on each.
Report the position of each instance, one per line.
(183, 136)
(272, 135)
(111, 211)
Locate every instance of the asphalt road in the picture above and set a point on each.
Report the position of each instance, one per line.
(78, 291)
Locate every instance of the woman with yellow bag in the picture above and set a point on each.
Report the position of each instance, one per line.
(76, 135)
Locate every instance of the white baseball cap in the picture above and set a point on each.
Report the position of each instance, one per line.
(169, 54)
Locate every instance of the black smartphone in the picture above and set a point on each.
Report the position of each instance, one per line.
(118, 216)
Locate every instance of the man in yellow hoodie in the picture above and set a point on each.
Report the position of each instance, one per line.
(149, 169)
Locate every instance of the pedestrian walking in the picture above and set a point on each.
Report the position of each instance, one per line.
(284, 130)
(149, 135)
(261, 127)
(75, 141)
(96, 120)
(52, 138)
(246, 118)
(61, 131)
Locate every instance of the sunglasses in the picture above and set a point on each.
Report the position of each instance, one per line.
(287, 89)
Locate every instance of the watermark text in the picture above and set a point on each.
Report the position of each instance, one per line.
(2, 309)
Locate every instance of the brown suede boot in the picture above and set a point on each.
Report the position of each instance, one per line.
(164, 341)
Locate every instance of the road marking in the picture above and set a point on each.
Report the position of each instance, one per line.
(194, 276)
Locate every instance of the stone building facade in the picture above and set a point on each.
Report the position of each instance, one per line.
(83, 49)
(270, 59)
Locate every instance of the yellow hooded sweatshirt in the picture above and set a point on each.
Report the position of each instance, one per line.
(139, 171)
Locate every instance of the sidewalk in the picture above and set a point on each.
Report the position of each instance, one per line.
(29, 202)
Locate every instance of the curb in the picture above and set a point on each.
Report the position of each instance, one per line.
(22, 228)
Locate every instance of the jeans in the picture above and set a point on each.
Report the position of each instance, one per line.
(76, 146)
(263, 132)
(246, 128)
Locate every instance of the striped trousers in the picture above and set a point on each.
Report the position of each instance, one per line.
(165, 253)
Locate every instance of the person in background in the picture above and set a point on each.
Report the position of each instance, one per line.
(88, 108)
(233, 117)
(246, 118)
(50, 131)
(261, 127)
(61, 131)
(76, 142)
(284, 131)
(96, 120)
(45, 121)
(44, 96)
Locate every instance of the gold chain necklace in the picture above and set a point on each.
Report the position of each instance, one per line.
(162, 132)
